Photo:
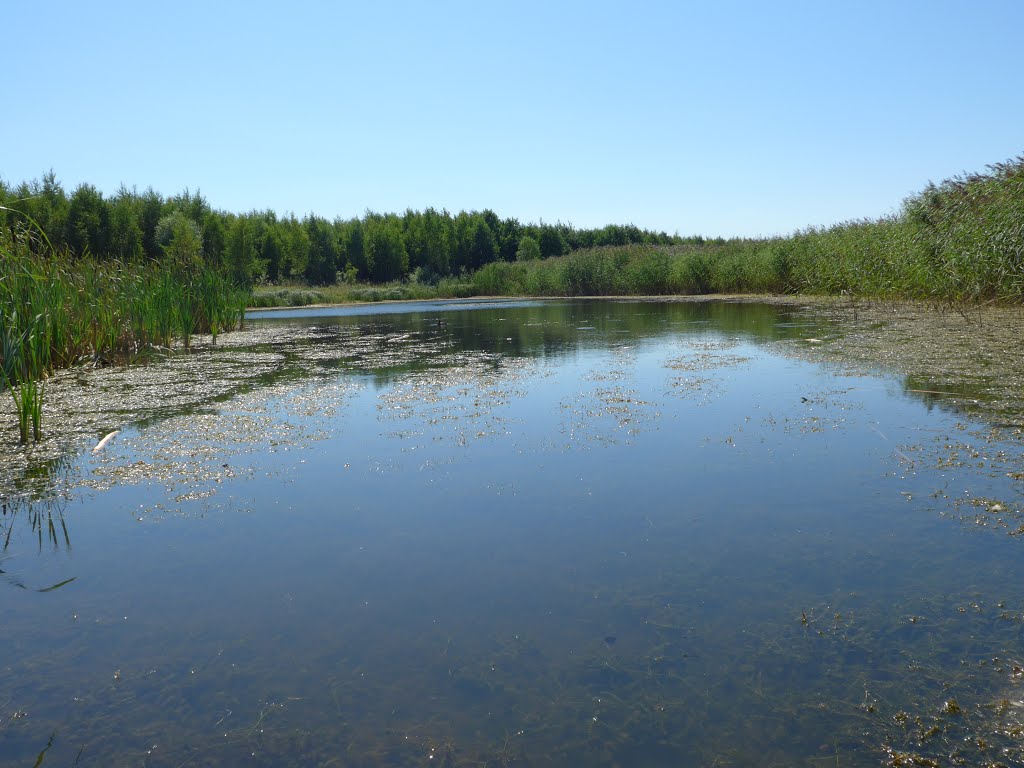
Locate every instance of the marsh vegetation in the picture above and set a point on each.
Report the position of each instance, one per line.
(58, 311)
(961, 242)
(956, 242)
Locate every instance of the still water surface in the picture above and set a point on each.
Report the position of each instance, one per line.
(524, 533)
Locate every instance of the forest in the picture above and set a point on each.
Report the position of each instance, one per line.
(961, 240)
(263, 247)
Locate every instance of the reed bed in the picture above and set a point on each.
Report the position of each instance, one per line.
(342, 293)
(57, 311)
(959, 242)
(641, 270)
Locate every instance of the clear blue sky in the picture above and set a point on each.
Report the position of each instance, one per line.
(714, 118)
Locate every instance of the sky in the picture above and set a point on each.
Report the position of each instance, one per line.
(714, 118)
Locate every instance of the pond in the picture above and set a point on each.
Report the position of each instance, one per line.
(543, 533)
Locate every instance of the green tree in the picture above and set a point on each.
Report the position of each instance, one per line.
(180, 238)
(427, 241)
(353, 246)
(193, 205)
(529, 249)
(294, 247)
(508, 235)
(461, 242)
(214, 239)
(272, 253)
(412, 236)
(436, 257)
(474, 242)
(52, 208)
(153, 210)
(322, 260)
(44, 203)
(483, 249)
(385, 249)
(492, 221)
(551, 241)
(125, 225)
(242, 248)
(87, 228)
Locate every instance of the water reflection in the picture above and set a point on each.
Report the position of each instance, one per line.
(550, 533)
(550, 328)
(39, 503)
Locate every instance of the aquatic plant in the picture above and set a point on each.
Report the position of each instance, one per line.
(341, 293)
(960, 241)
(59, 310)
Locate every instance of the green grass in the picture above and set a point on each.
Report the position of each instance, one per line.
(57, 311)
(349, 293)
(640, 270)
(287, 296)
(959, 242)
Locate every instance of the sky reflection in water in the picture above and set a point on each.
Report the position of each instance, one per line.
(548, 532)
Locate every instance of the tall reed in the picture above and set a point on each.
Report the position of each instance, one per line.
(57, 311)
(960, 241)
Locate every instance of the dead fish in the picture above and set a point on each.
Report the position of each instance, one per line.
(102, 443)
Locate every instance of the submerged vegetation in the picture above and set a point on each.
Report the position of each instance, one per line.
(58, 310)
(602, 649)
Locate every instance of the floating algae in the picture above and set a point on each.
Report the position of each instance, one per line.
(507, 540)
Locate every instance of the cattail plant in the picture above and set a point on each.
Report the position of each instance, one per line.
(57, 310)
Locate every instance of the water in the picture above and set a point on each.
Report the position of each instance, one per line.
(523, 533)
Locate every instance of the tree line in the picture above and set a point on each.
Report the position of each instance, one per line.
(262, 246)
